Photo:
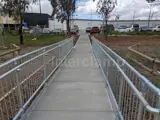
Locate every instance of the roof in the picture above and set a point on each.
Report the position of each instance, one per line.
(34, 19)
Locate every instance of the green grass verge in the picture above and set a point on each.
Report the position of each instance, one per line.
(135, 33)
(43, 40)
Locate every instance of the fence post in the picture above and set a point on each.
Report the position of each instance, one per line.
(157, 116)
(44, 64)
(19, 86)
(59, 54)
(120, 92)
(140, 111)
(155, 67)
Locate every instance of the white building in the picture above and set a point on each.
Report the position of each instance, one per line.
(88, 23)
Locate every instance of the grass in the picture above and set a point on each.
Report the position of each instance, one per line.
(43, 40)
(135, 33)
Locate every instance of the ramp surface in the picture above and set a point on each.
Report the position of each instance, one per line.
(77, 92)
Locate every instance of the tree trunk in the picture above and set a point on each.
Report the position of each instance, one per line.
(106, 29)
(68, 23)
(21, 31)
(68, 27)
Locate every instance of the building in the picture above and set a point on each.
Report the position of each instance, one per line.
(88, 23)
(33, 19)
(45, 20)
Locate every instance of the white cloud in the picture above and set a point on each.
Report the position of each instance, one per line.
(45, 6)
(124, 8)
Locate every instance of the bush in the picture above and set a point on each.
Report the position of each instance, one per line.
(135, 33)
(116, 33)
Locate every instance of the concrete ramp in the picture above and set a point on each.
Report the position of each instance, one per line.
(77, 92)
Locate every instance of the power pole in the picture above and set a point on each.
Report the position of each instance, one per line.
(149, 18)
(91, 17)
(40, 8)
(149, 13)
(134, 16)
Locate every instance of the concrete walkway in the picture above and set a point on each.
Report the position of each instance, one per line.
(77, 92)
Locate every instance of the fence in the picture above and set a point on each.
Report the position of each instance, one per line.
(134, 97)
(148, 63)
(15, 50)
(19, 60)
(21, 84)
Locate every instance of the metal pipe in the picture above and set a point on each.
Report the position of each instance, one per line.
(39, 88)
(27, 54)
(137, 93)
(21, 65)
(155, 89)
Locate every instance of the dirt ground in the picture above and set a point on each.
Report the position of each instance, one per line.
(149, 45)
(24, 50)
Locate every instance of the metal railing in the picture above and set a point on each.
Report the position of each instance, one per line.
(134, 97)
(20, 85)
(5, 67)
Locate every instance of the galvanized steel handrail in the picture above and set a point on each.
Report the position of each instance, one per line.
(21, 65)
(12, 61)
(157, 90)
(30, 77)
(127, 79)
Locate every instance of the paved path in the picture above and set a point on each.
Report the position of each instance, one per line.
(77, 92)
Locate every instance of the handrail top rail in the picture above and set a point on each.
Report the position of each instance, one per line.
(17, 67)
(27, 54)
(147, 81)
(138, 94)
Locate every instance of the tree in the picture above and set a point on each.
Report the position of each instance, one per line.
(150, 12)
(16, 9)
(150, 1)
(63, 9)
(105, 8)
(1, 28)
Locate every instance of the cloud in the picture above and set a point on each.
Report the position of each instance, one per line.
(45, 7)
(124, 8)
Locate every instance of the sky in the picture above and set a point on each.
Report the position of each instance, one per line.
(124, 8)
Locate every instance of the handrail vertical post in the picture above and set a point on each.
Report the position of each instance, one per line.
(44, 64)
(120, 92)
(140, 111)
(18, 86)
(157, 116)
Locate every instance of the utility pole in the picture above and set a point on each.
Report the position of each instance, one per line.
(40, 8)
(149, 13)
(134, 16)
(149, 18)
(91, 17)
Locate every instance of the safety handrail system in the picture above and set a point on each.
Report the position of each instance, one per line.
(18, 60)
(20, 85)
(134, 96)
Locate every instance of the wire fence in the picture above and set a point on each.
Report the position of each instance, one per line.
(134, 97)
(25, 76)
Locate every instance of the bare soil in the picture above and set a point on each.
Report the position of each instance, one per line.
(24, 50)
(149, 45)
